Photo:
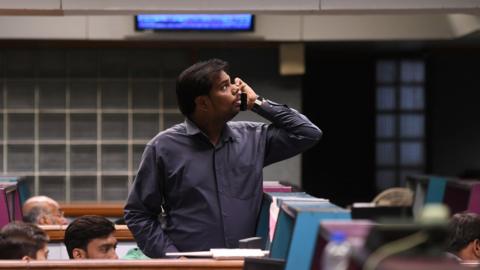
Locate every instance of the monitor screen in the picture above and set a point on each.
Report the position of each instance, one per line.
(194, 22)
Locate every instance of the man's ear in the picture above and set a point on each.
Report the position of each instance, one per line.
(476, 248)
(202, 102)
(79, 253)
(44, 220)
(27, 258)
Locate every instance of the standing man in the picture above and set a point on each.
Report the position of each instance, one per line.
(206, 173)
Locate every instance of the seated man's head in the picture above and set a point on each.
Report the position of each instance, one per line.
(464, 236)
(43, 210)
(91, 237)
(23, 241)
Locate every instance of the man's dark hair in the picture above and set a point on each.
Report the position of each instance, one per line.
(463, 229)
(84, 229)
(195, 81)
(20, 239)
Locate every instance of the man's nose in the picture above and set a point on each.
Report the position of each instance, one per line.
(113, 255)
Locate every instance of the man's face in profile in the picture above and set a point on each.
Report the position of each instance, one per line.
(99, 248)
(224, 98)
(56, 214)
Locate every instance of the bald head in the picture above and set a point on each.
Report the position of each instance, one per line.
(43, 210)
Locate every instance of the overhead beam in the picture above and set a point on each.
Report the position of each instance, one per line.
(31, 7)
(372, 6)
(194, 6)
(304, 7)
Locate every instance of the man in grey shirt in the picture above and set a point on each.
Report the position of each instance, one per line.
(206, 173)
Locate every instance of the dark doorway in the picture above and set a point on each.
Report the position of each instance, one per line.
(338, 96)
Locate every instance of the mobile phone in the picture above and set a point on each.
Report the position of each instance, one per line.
(243, 101)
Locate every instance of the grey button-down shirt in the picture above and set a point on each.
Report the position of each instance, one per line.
(211, 193)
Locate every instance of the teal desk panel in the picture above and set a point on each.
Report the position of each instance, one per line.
(436, 189)
(297, 229)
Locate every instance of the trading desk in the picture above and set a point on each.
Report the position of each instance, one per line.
(190, 264)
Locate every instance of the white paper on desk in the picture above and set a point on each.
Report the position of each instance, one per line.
(190, 254)
(236, 253)
(301, 199)
(222, 253)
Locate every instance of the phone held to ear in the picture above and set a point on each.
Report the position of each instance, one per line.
(243, 101)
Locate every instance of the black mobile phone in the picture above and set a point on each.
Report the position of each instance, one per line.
(243, 101)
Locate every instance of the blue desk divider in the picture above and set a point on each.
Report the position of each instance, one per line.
(427, 189)
(263, 220)
(297, 228)
(436, 189)
(263, 224)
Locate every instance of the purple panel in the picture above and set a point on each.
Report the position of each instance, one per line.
(18, 206)
(4, 218)
(474, 203)
(275, 187)
(10, 206)
(456, 198)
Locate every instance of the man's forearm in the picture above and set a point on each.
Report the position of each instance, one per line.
(289, 119)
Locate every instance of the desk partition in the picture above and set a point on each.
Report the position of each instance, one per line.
(10, 205)
(458, 194)
(463, 195)
(427, 189)
(269, 213)
(22, 186)
(296, 231)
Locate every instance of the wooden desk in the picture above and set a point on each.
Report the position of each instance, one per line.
(100, 209)
(57, 232)
(397, 263)
(190, 264)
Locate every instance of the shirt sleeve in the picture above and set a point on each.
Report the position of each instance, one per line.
(289, 134)
(143, 207)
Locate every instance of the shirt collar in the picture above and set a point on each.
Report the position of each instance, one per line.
(227, 134)
(453, 256)
(192, 128)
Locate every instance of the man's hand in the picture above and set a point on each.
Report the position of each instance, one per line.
(245, 88)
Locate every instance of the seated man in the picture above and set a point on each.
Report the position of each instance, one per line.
(43, 210)
(464, 237)
(91, 237)
(23, 241)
